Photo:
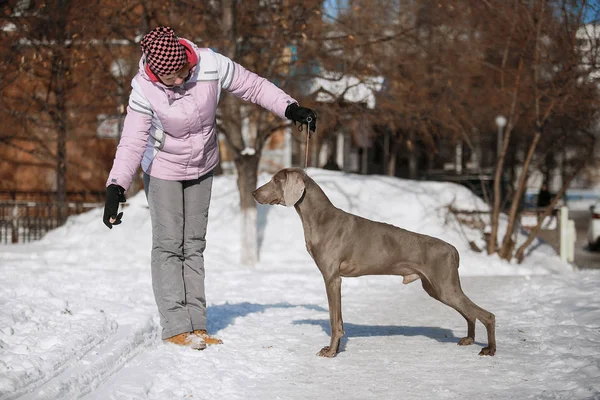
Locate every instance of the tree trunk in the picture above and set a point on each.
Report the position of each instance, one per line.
(412, 156)
(492, 240)
(506, 252)
(61, 176)
(59, 85)
(386, 150)
(228, 27)
(247, 167)
(507, 243)
(315, 148)
(391, 164)
(364, 161)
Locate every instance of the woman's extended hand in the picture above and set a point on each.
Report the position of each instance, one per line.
(302, 115)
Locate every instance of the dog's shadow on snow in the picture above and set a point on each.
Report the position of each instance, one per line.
(354, 330)
(222, 315)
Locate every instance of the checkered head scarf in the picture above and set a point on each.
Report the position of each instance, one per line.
(164, 54)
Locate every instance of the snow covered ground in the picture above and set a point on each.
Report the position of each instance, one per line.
(78, 319)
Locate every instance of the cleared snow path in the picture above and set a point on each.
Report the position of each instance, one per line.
(399, 344)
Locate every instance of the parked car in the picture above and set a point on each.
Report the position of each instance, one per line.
(594, 227)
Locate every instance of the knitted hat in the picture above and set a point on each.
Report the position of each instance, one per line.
(164, 54)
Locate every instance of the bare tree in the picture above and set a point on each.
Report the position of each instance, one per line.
(549, 84)
(445, 69)
(47, 51)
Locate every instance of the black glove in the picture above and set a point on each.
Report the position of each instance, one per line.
(115, 194)
(301, 115)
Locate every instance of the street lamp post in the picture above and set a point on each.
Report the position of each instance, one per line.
(501, 123)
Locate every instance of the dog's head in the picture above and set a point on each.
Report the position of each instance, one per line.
(285, 188)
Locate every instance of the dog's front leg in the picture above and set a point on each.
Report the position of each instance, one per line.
(333, 285)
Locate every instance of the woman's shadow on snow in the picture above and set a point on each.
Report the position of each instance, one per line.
(221, 316)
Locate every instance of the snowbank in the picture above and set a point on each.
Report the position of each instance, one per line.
(78, 316)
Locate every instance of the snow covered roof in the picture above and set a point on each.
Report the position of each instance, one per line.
(9, 27)
(331, 86)
(589, 31)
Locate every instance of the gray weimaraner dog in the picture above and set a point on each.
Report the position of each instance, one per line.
(346, 245)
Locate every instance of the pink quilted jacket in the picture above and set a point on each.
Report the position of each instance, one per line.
(171, 131)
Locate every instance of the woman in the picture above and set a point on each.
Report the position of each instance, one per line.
(170, 129)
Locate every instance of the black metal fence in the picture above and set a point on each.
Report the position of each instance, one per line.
(40, 196)
(27, 216)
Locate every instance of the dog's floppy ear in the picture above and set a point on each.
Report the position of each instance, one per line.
(293, 188)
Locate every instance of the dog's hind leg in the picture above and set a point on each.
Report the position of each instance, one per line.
(452, 295)
(470, 321)
(472, 311)
(487, 319)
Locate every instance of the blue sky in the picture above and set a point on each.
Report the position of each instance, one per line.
(593, 10)
(332, 7)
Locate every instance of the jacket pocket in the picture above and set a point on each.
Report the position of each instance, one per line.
(157, 138)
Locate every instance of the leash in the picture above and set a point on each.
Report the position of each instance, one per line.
(308, 121)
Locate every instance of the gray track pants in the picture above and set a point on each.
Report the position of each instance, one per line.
(179, 213)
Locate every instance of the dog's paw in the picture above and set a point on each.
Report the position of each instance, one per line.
(488, 351)
(326, 352)
(466, 341)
